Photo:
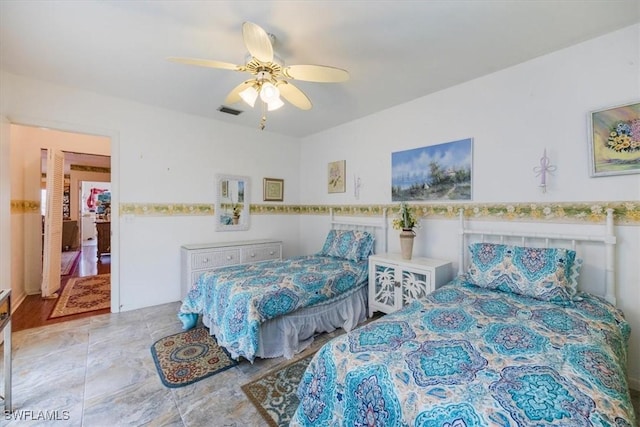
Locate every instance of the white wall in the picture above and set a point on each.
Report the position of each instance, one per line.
(512, 115)
(160, 156)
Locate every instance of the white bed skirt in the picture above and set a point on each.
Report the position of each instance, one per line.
(292, 333)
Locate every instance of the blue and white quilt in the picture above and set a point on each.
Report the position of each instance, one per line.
(235, 300)
(468, 356)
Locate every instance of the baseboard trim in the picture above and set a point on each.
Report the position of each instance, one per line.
(16, 303)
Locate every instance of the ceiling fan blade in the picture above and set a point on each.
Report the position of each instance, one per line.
(316, 73)
(294, 95)
(234, 95)
(257, 42)
(206, 63)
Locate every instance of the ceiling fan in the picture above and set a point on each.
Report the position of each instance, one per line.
(270, 76)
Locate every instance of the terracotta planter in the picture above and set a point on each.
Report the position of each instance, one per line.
(406, 243)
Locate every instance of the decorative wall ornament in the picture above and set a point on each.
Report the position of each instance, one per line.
(435, 172)
(543, 170)
(614, 140)
(336, 181)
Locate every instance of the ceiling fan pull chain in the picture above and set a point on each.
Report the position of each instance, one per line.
(263, 121)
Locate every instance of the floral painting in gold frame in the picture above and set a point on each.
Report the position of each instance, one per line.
(273, 190)
(336, 182)
(614, 143)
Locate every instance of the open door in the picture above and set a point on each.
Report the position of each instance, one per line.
(52, 250)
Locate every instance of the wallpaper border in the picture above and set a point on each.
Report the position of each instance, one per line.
(25, 206)
(625, 212)
(165, 209)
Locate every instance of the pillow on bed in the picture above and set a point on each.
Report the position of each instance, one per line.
(574, 273)
(541, 273)
(348, 244)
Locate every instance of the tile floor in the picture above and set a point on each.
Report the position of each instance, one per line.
(98, 371)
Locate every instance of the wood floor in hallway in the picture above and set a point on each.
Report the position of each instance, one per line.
(34, 310)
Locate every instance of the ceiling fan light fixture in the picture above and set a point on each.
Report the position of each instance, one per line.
(249, 95)
(275, 104)
(269, 92)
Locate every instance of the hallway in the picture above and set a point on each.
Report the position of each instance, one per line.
(34, 311)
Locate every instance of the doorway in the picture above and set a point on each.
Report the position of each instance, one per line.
(81, 153)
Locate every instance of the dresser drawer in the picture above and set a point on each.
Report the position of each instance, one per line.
(260, 253)
(196, 259)
(215, 259)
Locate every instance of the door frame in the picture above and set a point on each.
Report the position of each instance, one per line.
(114, 136)
(5, 212)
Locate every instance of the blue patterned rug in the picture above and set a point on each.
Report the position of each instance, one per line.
(274, 394)
(187, 357)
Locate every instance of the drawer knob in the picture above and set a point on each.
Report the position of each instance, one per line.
(205, 260)
(229, 257)
(271, 253)
(253, 255)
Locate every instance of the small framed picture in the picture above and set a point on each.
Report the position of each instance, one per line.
(273, 190)
(614, 140)
(336, 182)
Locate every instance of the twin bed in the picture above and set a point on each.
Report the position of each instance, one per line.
(274, 308)
(510, 342)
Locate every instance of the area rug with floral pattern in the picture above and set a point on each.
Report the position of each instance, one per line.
(83, 294)
(68, 261)
(274, 393)
(187, 357)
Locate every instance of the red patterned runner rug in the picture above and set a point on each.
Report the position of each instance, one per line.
(83, 294)
(187, 357)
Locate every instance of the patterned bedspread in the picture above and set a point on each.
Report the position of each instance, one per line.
(469, 356)
(235, 300)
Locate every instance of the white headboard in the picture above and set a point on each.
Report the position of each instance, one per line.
(607, 237)
(377, 227)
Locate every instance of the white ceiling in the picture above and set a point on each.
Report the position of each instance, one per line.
(395, 51)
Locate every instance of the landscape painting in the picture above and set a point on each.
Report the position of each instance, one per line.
(436, 172)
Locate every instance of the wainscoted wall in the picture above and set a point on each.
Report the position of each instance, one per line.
(627, 213)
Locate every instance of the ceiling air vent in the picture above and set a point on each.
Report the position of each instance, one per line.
(228, 110)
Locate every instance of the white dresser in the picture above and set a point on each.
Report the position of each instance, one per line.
(196, 259)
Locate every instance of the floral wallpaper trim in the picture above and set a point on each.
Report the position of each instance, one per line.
(165, 209)
(25, 206)
(625, 212)
(83, 168)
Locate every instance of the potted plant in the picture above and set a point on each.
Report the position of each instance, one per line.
(406, 221)
(236, 209)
